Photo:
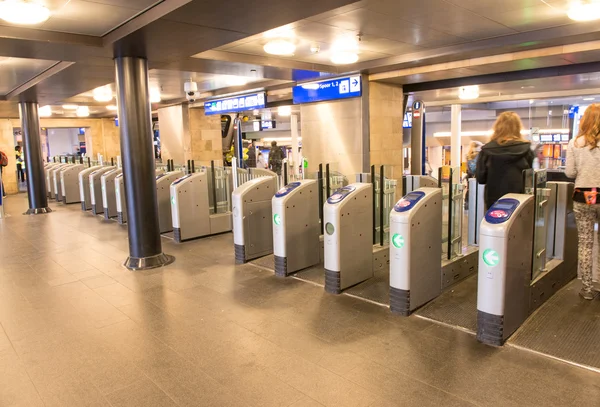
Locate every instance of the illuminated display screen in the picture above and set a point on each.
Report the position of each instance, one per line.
(236, 104)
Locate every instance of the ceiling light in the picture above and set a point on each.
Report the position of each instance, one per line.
(155, 95)
(344, 57)
(103, 94)
(584, 10)
(236, 81)
(70, 107)
(280, 47)
(45, 111)
(284, 110)
(468, 92)
(531, 101)
(21, 12)
(111, 107)
(588, 99)
(83, 111)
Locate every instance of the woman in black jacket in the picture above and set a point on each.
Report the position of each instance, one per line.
(502, 161)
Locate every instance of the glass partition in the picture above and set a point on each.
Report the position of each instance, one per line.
(541, 193)
(452, 211)
(384, 200)
(219, 187)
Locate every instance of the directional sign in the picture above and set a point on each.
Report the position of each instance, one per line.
(236, 104)
(398, 241)
(491, 257)
(277, 219)
(331, 89)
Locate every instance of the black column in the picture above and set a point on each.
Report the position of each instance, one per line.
(36, 180)
(137, 152)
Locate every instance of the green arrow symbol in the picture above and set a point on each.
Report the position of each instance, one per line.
(277, 219)
(173, 200)
(398, 241)
(491, 257)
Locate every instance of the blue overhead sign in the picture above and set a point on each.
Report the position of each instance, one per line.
(332, 89)
(236, 104)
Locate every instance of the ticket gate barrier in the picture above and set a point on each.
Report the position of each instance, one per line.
(476, 210)
(414, 182)
(296, 227)
(252, 212)
(415, 253)
(348, 238)
(69, 183)
(50, 179)
(47, 169)
(109, 198)
(192, 212)
(120, 199)
(163, 194)
(56, 184)
(95, 180)
(84, 187)
(510, 284)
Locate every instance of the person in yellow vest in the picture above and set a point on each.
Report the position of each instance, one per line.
(20, 159)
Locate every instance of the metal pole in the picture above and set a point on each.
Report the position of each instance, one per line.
(89, 162)
(193, 169)
(214, 185)
(328, 181)
(80, 159)
(36, 181)
(381, 204)
(112, 162)
(374, 204)
(321, 200)
(135, 124)
(189, 166)
(285, 174)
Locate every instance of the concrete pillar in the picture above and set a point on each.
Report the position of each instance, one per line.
(36, 180)
(137, 151)
(455, 130)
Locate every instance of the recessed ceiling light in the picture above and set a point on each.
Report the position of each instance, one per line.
(70, 107)
(284, 110)
(111, 107)
(103, 94)
(83, 111)
(280, 47)
(21, 12)
(531, 101)
(236, 81)
(468, 92)
(584, 10)
(589, 99)
(527, 87)
(45, 111)
(155, 95)
(344, 57)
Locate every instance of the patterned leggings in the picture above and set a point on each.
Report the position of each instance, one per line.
(586, 217)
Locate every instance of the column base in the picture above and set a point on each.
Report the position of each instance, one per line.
(145, 263)
(38, 211)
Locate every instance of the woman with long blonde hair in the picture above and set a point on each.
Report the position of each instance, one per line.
(583, 164)
(502, 161)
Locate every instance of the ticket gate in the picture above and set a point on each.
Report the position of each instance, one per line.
(512, 282)
(348, 237)
(120, 199)
(163, 193)
(415, 253)
(109, 199)
(50, 179)
(296, 227)
(252, 212)
(56, 186)
(84, 187)
(95, 180)
(193, 214)
(69, 183)
(47, 169)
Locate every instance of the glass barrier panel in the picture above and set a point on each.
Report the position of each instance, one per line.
(540, 233)
(456, 202)
(445, 179)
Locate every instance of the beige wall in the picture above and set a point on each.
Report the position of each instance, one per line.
(385, 120)
(175, 139)
(7, 145)
(101, 135)
(205, 133)
(332, 132)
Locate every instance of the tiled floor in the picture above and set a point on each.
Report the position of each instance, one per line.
(79, 330)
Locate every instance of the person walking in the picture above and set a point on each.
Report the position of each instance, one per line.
(251, 161)
(583, 161)
(472, 155)
(20, 159)
(276, 157)
(501, 162)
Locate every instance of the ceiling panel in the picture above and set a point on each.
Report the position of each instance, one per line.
(532, 18)
(16, 71)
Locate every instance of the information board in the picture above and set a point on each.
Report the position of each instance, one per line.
(235, 104)
(332, 89)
